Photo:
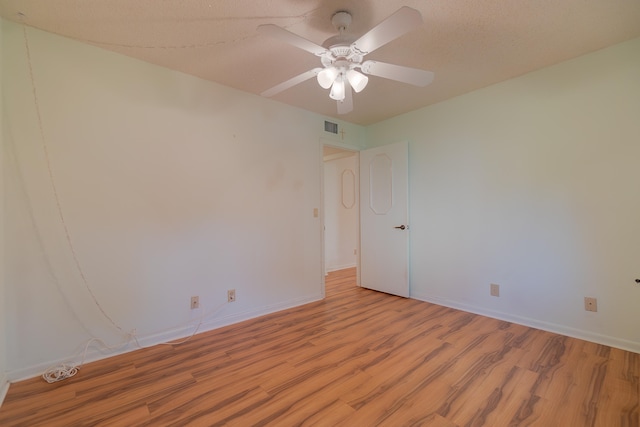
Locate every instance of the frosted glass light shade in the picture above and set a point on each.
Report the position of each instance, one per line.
(327, 76)
(357, 80)
(337, 90)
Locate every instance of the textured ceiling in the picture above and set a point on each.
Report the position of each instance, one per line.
(468, 44)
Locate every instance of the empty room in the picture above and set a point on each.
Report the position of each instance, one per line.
(332, 213)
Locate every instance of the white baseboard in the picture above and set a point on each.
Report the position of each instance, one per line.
(4, 387)
(159, 338)
(339, 267)
(535, 323)
(208, 325)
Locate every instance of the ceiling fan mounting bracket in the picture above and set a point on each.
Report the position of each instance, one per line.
(341, 20)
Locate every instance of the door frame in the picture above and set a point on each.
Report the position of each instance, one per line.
(345, 147)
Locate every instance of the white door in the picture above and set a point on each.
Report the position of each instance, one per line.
(384, 227)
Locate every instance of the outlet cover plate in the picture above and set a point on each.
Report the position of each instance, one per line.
(495, 290)
(590, 304)
(195, 302)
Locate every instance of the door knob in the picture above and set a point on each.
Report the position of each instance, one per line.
(401, 227)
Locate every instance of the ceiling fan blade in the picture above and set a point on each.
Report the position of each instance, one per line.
(291, 38)
(413, 76)
(346, 105)
(402, 21)
(291, 82)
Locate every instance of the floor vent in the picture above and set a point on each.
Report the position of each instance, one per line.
(331, 127)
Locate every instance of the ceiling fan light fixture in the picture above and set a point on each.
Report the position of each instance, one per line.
(343, 70)
(357, 80)
(337, 89)
(327, 76)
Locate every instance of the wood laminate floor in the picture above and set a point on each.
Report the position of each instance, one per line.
(357, 358)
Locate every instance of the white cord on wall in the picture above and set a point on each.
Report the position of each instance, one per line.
(67, 370)
(54, 188)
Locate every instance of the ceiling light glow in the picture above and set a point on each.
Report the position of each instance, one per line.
(337, 89)
(357, 80)
(327, 76)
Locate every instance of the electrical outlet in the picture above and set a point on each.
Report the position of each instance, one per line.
(590, 304)
(231, 295)
(195, 302)
(495, 290)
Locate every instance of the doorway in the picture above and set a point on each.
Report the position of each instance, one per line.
(341, 209)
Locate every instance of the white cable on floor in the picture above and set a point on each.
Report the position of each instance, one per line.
(59, 373)
(69, 369)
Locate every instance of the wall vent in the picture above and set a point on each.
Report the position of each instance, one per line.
(330, 127)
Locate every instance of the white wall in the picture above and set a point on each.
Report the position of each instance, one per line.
(170, 186)
(341, 213)
(3, 325)
(532, 184)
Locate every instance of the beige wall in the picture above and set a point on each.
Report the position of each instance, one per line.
(170, 186)
(532, 184)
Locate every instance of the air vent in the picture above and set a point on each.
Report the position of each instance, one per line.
(330, 127)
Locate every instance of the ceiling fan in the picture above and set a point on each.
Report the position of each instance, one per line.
(341, 56)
